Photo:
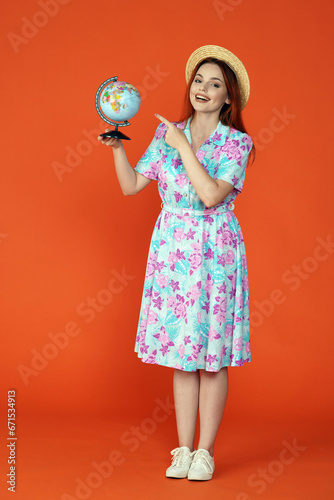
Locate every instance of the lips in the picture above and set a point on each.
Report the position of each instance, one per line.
(201, 98)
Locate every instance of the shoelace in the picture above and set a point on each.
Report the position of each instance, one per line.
(180, 455)
(198, 461)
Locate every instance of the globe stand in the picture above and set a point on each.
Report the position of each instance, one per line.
(116, 134)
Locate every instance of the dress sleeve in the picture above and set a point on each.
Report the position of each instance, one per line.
(149, 163)
(233, 157)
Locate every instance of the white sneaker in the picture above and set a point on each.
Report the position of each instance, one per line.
(181, 461)
(202, 466)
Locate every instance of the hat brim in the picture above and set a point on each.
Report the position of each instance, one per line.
(229, 58)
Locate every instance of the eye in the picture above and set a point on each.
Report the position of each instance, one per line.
(216, 85)
(197, 80)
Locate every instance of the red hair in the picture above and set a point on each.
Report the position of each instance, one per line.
(230, 114)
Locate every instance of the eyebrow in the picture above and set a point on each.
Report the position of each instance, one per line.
(213, 78)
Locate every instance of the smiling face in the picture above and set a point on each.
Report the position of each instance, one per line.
(208, 91)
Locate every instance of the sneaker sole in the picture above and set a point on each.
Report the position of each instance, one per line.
(202, 477)
(174, 475)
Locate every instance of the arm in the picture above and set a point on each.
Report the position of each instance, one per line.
(131, 182)
(211, 191)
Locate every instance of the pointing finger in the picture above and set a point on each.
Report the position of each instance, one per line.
(163, 120)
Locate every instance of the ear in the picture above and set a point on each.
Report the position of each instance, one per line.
(228, 100)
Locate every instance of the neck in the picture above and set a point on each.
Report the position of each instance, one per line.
(203, 124)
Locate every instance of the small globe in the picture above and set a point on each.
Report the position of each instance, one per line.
(119, 101)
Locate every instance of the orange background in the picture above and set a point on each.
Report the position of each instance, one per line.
(63, 237)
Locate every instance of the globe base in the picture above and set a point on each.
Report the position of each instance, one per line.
(116, 134)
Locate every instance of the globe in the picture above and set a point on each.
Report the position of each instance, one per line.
(119, 101)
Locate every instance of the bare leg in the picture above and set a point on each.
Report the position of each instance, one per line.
(212, 400)
(186, 394)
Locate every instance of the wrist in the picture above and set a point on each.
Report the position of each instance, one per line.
(185, 149)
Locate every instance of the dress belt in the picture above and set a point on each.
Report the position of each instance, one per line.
(193, 213)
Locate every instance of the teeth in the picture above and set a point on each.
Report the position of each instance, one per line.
(202, 98)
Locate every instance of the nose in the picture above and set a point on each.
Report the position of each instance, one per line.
(204, 87)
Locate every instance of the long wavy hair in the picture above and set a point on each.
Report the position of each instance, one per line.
(230, 114)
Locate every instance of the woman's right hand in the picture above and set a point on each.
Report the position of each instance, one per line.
(110, 141)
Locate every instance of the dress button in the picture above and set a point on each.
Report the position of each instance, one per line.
(185, 195)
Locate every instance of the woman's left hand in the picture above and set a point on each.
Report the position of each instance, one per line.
(175, 137)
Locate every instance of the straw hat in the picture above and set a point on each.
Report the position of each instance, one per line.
(230, 59)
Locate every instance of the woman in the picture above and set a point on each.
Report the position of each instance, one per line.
(195, 307)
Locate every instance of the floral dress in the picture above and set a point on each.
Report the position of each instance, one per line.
(195, 304)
